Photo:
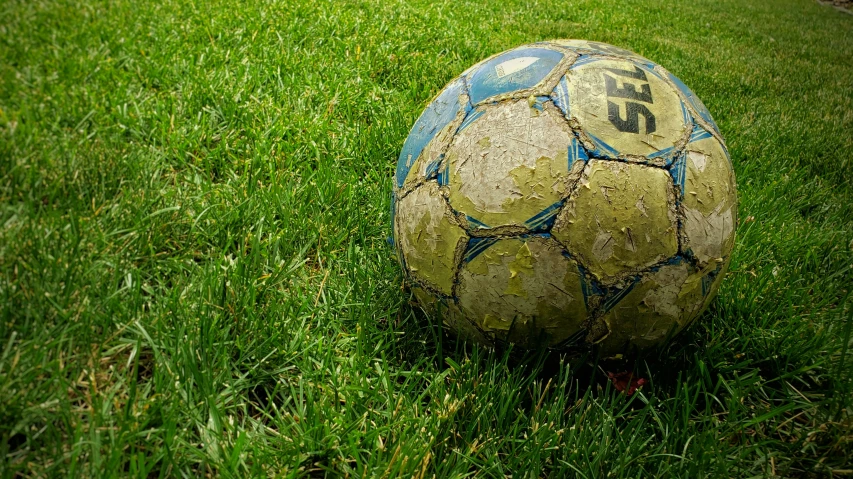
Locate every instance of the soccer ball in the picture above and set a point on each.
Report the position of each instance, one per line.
(565, 194)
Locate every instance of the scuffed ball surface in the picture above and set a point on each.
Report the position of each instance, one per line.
(629, 213)
(521, 288)
(565, 194)
(431, 242)
(509, 165)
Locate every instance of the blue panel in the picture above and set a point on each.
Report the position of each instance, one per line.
(432, 168)
(539, 102)
(437, 115)
(684, 114)
(588, 288)
(675, 260)
(443, 176)
(708, 280)
(694, 101)
(649, 66)
(671, 261)
(471, 118)
(543, 220)
(583, 60)
(678, 171)
(602, 149)
(614, 297)
(667, 154)
(698, 133)
(729, 158)
(561, 97)
(576, 152)
(496, 77)
(477, 246)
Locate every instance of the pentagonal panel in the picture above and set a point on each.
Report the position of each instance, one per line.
(435, 128)
(510, 164)
(522, 290)
(620, 219)
(624, 107)
(709, 199)
(518, 70)
(658, 304)
(431, 242)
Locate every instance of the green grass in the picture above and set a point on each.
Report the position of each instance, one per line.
(195, 279)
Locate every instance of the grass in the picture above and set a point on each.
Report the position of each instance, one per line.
(195, 279)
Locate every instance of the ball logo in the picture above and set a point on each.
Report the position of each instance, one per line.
(633, 110)
(515, 65)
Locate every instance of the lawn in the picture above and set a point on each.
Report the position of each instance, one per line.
(195, 277)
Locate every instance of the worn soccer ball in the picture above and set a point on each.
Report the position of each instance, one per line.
(565, 194)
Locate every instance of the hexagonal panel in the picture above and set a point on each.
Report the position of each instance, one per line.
(658, 304)
(709, 199)
(433, 129)
(522, 290)
(431, 242)
(510, 164)
(620, 219)
(624, 107)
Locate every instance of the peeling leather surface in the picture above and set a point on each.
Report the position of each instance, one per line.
(462, 325)
(430, 241)
(521, 288)
(620, 219)
(510, 164)
(709, 201)
(659, 305)
(715, 285)
(452, 318)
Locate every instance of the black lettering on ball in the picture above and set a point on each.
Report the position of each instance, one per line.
(631, 122)
(628, 90)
